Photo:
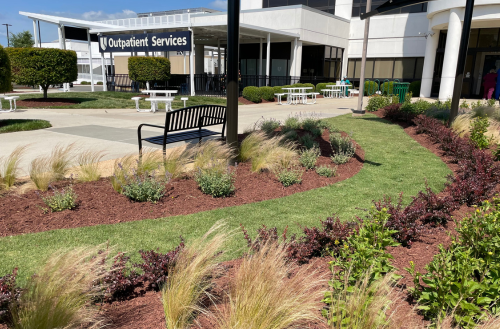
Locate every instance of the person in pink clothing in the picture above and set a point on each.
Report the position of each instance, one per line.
(489, 82)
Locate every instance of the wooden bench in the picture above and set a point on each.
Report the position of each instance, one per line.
(184, 120)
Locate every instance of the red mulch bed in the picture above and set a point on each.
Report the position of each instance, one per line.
(44, 102)
(99, 204)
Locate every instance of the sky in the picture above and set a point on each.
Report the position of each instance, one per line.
(94, 10)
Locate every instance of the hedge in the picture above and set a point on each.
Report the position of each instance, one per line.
(322, 85)
(5, 72)
(387, 88)
(42, 66)
(267, 93)
(370, 88)
(253, 94)
(150, 69)
(414, 88)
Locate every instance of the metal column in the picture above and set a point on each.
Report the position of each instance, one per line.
(191, 64)
(233, 41)
(35, 33)
(218, 57)
(103, 71)
(268, 58)
(90, 62)
(363, 60)
(295, 58)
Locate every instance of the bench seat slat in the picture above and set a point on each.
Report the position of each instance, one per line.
(177, 137)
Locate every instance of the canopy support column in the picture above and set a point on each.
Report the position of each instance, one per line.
(268, 58)
(103, 71)
(191, 64)
(218, 57)
(90, 62)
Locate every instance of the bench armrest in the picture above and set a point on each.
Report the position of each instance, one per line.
(146, 124)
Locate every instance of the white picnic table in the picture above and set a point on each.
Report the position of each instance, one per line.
(154, 100)
(341, 88)
(294, 96)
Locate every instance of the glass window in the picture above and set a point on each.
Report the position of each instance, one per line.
(251, 67)
(327, 52)
(279, 67)
(265, 3)
(419, 68)
(442, 39)
(355, 11)
(317, 3)
(404, 68)
(243, 66)
(297, 2)
(369, 69)
(383, 69)
(350, 68)
(357, 69)
(488, 38)
(474, 35)
(278, 3)
(326, 69)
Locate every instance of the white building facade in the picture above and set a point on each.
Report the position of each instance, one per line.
(321, 40)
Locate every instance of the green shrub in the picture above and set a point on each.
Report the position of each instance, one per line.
(322, 85)
(341, 158)
(370, 87)
(253, 94)
(465, 277)
(307, 141)
(42, 66)
(269, 125)
(342, 144)
(377, 102)
(305, 85)
(99, 83)
(150, 69)
(387, 88)
(325, 124)
(59, 201)
(289, 177)
(310, 124)
(5, 72)
(145, 187)
(309, 157)
(267, 93)
(291, 135)
(478, 129)
(85, 83)
(414, 88)
(420, 106)
(215, 182)
(326, 171)
(292, 123)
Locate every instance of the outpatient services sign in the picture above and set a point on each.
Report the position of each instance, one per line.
(165, 41)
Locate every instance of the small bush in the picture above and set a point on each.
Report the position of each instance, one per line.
(291, 135)
(269, 125)
(387, 87)
(99, 83)
(9, 292)
(310, 124)
(292, 123)
(83, 83)
(371, 87)
(377, 102)
(322, 85)
(325, 124)
(212, 153)
(393, 112)
(307, 141)
(145, 187)
(148, 68)
(215, 182)
(252, 93)
(267, 93)
(59, 201)
(414, 88)
(479, 127)
(274, 154)
(289, 177)
(309, 157)
(342, 145)
(326, 171)
(341, 158)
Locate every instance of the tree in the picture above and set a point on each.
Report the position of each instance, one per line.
(42, 66)
(5, 72)
(21, 40)
(148, 69)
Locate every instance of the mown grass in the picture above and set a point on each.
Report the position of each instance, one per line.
(394, 163)
(13, 125)
(115, 100)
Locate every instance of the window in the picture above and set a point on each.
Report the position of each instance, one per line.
(403, 69)
(323, 5)
(359, 6)
(383, 68)
(488, 38)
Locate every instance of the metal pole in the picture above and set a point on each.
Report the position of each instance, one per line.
(35, 34)
(462, 56)
(218, 57)
(363, 60)
(268, 58)
(233, 45)
(191, 64)
(8, 41)
(90, 62)
(103, 72)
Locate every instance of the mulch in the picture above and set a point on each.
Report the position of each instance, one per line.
(44, 102)
(99, 204)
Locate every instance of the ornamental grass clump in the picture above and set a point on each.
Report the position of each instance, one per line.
(88, 162)
(176, 161)
(40, 172)
(190, 279)
(61, 160)
(212, 154)
(9, 167)
(250, 146)
(122, 168)
(60, 294)
(61, 200)
(326, 171)
(309, 157)
(47, 169)
(274, 154)
(216, 181)
(269, 292)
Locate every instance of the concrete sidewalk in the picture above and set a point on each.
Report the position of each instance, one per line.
(115, 131)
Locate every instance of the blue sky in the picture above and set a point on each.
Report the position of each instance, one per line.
(85, 9)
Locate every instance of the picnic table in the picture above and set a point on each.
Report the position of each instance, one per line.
(296, 94)
(154, 99)
(338, 90)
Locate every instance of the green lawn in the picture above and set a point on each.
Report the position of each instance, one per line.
(394, 163)
(12, 125)
(115, 100)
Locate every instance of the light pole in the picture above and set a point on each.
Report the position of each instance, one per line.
(7, 26)
(233, 45)
(363, 61)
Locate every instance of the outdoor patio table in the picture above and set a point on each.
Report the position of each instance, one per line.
(168, 94)
(341, 87)
(301, 92)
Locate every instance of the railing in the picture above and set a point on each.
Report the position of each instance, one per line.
(86, 77)
(171, 20)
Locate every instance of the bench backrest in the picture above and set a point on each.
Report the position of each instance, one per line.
(194, 117)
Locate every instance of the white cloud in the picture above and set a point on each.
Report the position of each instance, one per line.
(219, 4)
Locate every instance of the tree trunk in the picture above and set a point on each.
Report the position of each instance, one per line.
(45, 88)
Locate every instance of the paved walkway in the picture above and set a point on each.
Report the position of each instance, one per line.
(115, 130)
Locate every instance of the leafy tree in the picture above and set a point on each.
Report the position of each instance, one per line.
(5, 72)
(149, 69)
(42, 66)
(21, 40)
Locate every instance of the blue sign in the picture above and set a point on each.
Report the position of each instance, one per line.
(164, 41)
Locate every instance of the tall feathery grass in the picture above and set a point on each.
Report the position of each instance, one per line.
(364, 306)
(212, 153)
(275, 154)
(61, 160)
(121, 169)
(190, 278)
(88, 162)
(9, 167)
(44, 170)
(250, 146)
(267, 292)
(176, 161)
(60, 294)
(461, 126)
(150, 160)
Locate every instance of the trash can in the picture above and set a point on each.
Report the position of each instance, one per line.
(401, 89)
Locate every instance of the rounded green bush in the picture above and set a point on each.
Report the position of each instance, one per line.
(387, 88)
(5, 72)
(322, 85)
(267, 93)
(370, 88)
(414, 88)
(148, 68)
(99, 83)
(253, 94)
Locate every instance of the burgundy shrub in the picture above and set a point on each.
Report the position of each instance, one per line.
(9, 292)
(430, 208)
(118, 283)
(392, 112)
